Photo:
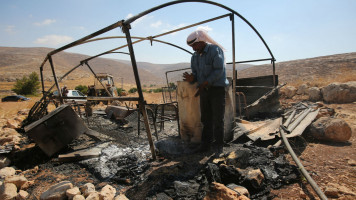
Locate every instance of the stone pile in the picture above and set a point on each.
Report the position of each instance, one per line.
(13, 185)
(332, 93)
(66, 190)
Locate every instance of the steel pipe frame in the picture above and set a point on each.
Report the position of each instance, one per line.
(151, 38)
(132, 19)
(125, 24)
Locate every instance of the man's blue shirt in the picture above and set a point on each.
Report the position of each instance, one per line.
(209, 66)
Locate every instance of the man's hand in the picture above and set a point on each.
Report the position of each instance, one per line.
(188, 77)
(201, 87)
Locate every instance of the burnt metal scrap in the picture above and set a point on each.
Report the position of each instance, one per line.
(267, 131)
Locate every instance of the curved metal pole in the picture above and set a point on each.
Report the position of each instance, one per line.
(78, 42)
(134, 37)
(71, 70)
(132, 19)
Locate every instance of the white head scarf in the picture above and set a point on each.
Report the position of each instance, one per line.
(201, 36)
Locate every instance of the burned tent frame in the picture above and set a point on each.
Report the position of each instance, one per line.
(125, 26)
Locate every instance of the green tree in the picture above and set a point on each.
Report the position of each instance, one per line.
(82, 88)
(28, 85)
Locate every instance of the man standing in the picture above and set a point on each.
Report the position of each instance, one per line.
(208, 70)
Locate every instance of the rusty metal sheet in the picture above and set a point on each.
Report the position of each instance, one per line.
(267, 131)
(299, 129)
(57, 129)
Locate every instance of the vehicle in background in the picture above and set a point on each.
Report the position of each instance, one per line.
(98, 89)
(71, 93)
(15, 98)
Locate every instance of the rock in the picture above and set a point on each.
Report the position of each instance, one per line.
(255, 177)
(302, 195)
(240, 189)
(325, 112)
(4, 162)
(314, 94)
(22, 195)
(302, 89)
(239, 158)
(20, 118)
(331, 129)
(78, 197)
(339, 92)
(107, 193)
(12, 139)
(8, 191)
(26, 185)
(334, 190)
(17, 180)
(7, 171)
(8, 131)
(23, 112)
(219, 191)
(87, 189)
(57, 191)
(186, 190)
(289, 91)
(93, 196)
(11, 123)
(351, 162)
(72, 192)
(121, 197)
(331, 192)
(344, 190)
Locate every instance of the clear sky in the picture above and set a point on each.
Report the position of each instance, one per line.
(293, 29)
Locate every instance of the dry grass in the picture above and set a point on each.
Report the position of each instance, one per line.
(341, 75)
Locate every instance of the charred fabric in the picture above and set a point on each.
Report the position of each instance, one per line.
(108, 142)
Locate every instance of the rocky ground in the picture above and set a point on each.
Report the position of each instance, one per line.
(331, 164)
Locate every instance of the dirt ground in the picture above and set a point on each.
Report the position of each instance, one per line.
(325, 161)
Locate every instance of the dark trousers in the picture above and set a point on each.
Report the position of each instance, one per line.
(212, 108)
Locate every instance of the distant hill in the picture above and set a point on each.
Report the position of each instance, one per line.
(337, 67)
(16, 62)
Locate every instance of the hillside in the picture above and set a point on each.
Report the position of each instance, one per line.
(319, 70)
(16, 62)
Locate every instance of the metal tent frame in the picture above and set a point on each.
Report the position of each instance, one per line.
(125, 25)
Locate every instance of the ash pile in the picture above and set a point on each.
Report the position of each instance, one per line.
(254, 163)
(180, 173)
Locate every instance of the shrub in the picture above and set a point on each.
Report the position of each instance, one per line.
(157, 90)
(27, 85)
(120, 91)
(172, 85)
(132, 90)
(82, 88)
